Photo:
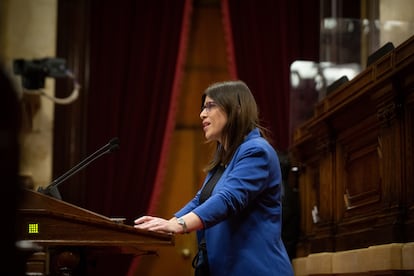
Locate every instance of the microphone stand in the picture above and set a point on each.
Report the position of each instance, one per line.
(52, 190)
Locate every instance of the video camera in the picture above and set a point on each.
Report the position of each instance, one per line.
(34, 71)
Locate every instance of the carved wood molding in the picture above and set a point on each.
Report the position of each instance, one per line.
(387, 114)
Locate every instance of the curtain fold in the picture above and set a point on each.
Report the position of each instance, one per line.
(170, 122)
(267, 38)
(135, 52)
(228, 33)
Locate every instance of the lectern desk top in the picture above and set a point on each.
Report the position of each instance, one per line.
(47, 222)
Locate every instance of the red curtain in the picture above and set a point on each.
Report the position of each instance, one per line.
(136, 59)
(129, 56)
(265, 38)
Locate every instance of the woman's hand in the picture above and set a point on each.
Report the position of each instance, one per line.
(191, 223)
(158, 224)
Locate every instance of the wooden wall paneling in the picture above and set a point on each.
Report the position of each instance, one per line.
(408, 190)
(360, 191)
(356, 155)
(361, 176)
(324, 229)
(308, 198)
(408, 153)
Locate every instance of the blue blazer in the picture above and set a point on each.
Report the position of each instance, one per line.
(243, 216)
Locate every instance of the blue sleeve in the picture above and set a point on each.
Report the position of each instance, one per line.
(247, 177)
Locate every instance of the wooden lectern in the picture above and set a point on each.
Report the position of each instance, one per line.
(73, 239)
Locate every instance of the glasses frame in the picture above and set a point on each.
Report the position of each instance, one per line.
(208, 106)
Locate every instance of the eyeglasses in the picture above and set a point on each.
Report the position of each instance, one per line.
(208, 106)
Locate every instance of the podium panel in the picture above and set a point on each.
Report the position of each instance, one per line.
(75, 239)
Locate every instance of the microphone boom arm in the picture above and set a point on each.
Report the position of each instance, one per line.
(52, 190)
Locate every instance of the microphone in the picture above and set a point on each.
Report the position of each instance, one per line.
(52, 190)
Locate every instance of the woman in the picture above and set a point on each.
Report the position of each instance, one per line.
(237, 213)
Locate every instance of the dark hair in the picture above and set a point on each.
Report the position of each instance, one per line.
(237, 101)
